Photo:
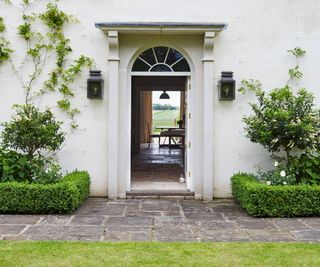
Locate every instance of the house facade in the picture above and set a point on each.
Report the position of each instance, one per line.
(248, 37)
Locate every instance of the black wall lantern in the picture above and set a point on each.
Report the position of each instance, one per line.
(227, 86)
(95, 85)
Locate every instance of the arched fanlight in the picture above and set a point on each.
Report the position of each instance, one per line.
(164, 95)
(161, 59)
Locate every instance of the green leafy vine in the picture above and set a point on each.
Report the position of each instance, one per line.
(5, 50)
(295, 72)
(2, 25)
(40, 46)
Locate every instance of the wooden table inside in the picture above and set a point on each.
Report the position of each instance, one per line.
(171, 132)
(168, 128)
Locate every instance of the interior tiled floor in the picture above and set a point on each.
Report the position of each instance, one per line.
(157, 168)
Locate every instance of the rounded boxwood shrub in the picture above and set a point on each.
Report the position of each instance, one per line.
(32, 131)
(64, 196)
(263, 200)
(26, 141)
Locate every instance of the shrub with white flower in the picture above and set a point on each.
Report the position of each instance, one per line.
(282, 175)
(286, 120)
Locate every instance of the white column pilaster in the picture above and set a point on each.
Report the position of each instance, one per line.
(208, 88)
(113, 114)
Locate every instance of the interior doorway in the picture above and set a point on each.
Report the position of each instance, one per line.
(158, 133)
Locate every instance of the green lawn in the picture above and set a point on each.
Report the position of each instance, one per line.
(157, 254)
(164, 118)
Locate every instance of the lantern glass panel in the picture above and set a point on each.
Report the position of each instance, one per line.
(227, 91)
(95, 89)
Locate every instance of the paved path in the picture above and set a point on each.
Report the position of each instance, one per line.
(158, 220)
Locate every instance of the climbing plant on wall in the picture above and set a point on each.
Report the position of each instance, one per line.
(5, 50)
(45, 65)
(42, 47)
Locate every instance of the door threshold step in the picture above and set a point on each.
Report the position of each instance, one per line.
(160, 193)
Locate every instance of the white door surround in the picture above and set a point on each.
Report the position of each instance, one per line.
(201, 104)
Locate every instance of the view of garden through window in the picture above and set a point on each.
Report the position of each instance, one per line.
(165, 112)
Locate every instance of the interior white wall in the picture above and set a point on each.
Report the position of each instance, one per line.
(253, 46)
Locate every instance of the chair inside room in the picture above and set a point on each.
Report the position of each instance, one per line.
(152, 135)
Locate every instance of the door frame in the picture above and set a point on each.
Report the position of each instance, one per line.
(119, 117)
(188, 152)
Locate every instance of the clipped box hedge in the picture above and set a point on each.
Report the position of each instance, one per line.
(61, 197)
(262, 200)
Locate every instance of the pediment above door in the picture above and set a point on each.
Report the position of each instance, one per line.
(161, 27)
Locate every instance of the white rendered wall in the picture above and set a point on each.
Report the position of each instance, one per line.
(253, 46)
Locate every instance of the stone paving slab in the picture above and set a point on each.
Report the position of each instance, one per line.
(128, 234)
(256, 224)
(171, 221)
(194, 207)
(88, 220)
(55, 220)
(271, 235)
(138, 213)
(104, 209)
(100, 219)
(160, 207)
(307, 235)
(204, 216)
(19, 219)
(291, 224)
(15, 237)
(11, 229)
(223, 235)
(175, 233)
(129, 221)
(313, 223)
(237, 215)
(219, 225)
(57, 232)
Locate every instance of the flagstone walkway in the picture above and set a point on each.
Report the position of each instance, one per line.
(158, 220)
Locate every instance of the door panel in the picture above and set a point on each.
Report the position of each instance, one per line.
(188, 126)
(135, 119)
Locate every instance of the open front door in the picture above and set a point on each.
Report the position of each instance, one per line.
(135, 119)
(188, 127)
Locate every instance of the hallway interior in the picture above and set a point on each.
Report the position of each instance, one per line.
(157, 168)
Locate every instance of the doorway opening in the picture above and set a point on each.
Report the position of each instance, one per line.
(158, 133)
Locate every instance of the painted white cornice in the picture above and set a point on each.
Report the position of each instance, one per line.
(161, 27)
